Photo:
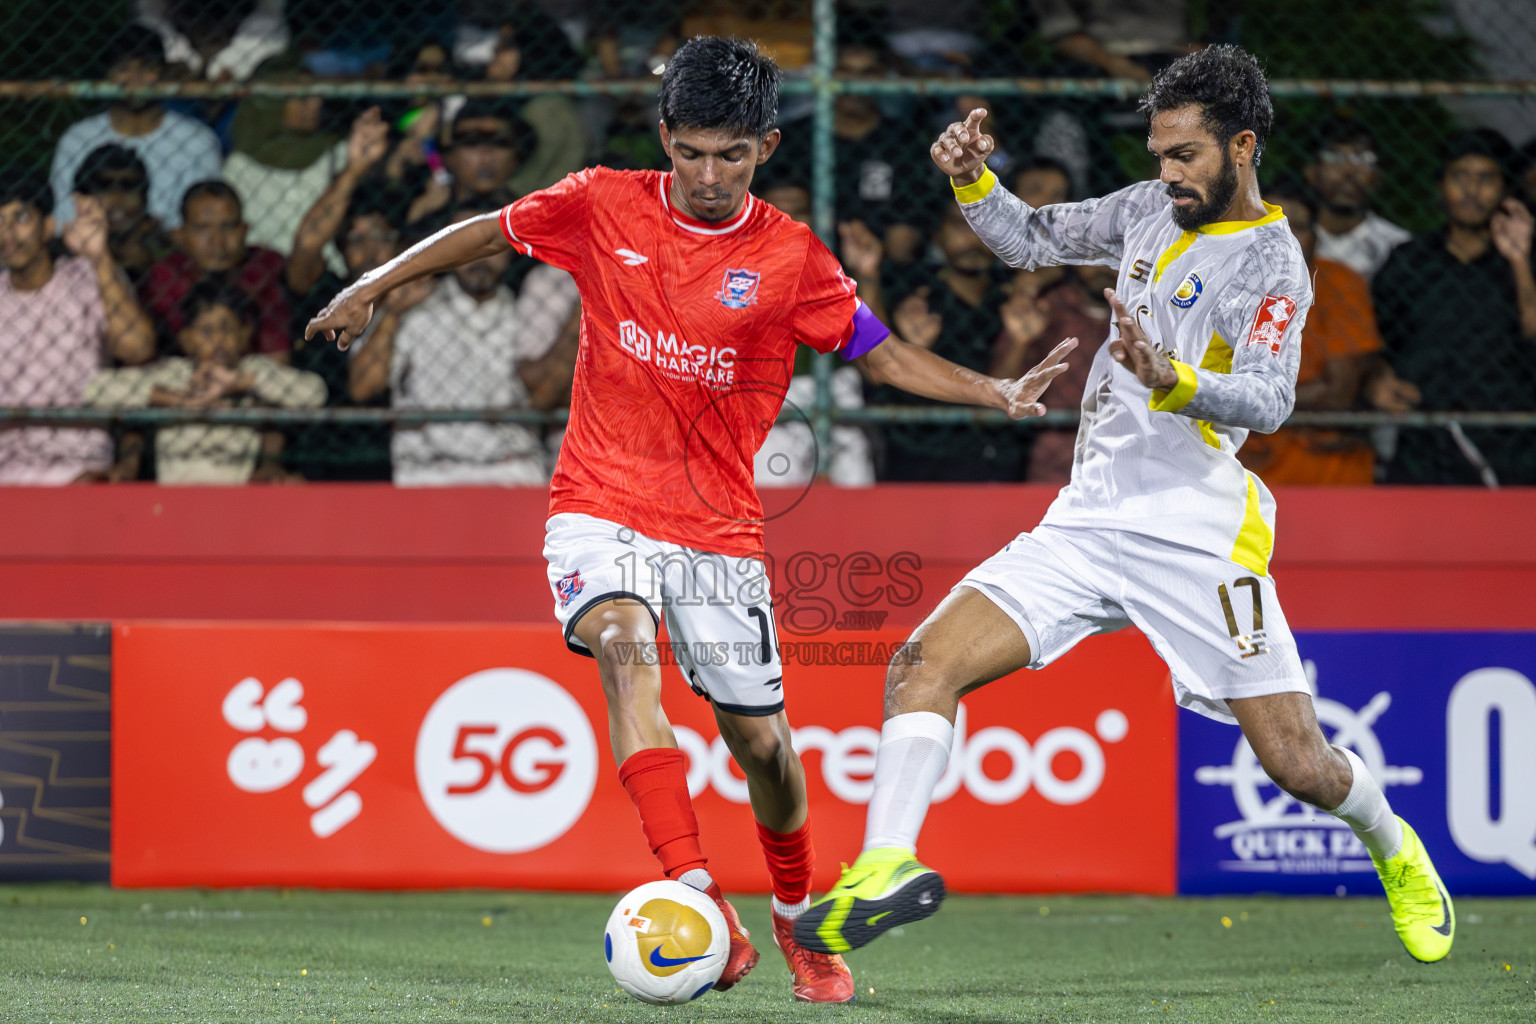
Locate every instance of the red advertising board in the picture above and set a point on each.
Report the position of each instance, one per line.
(443, 756)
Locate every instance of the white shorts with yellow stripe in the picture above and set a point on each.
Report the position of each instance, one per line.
(1217, 624)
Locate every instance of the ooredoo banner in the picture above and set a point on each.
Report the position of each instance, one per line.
(1445, 721)
(425, 756)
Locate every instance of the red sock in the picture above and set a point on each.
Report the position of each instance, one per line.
(658, 785)
(790, 859)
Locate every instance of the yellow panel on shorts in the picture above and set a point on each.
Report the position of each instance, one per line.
(1255, 541)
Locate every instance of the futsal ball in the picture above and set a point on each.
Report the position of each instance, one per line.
(666, 942)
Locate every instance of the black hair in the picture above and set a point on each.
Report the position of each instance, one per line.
(212, 188)
(720, 84)
(547, 53)
(106, 159)
(216, 291)
(25, 185)
(1045, 163)
(136, 41)
(1292, 190)
(1228, 85)
(482, 108)
(1343, 131)
(1481, 142)
(374, 196)
(774, 174)
(1525, 157)
(863, 29)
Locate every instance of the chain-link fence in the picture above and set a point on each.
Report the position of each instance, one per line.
(187, 182)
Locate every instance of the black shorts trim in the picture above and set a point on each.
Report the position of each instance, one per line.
(746, 711)
(575, 620)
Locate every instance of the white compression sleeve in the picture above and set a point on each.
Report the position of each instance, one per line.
(914, 751)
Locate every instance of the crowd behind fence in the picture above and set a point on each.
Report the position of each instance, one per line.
(184, 183)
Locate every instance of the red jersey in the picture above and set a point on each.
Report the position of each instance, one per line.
(688, 333)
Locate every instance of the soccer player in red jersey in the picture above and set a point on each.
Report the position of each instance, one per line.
(694, 294)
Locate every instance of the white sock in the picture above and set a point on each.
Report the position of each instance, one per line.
(914, 750)
(1366, 811)
(790, 911)
(698, 878)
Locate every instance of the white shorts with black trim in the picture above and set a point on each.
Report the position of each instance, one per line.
(1217, 624)
(718, 608)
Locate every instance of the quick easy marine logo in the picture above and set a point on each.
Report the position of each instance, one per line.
(739, 289)
(1188, 291)
(1276, 834)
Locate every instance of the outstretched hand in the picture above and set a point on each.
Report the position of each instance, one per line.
(1021, 396)
(1133, 351)
(342, 320)
(962, 150)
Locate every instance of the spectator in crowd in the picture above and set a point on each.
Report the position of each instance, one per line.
(60, 320)
(1120, 38)
(789, 453)
(284, 157)
(1345, 174)
(955, 312)
(221, 42)
(480, 159)
(323, 221)
(519, 42)
(1528, 173)
(117, 179)
(935, 38)
(217, 371)
(211, 244)
(789, 193)
(1341, 367)
(474, 345)
(361, 214)
(1457, 311)
(1043, 307)
(1042, 181)
(883, 174)
(176, 149)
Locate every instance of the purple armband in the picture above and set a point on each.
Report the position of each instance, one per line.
(868, 332)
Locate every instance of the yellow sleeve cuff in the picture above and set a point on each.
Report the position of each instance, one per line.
(977, 189)
(1178, 396)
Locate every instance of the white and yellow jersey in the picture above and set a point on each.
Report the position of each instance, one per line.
(1227, 304)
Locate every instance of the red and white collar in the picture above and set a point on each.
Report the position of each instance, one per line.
(702, 227)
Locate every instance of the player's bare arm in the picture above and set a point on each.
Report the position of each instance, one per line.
(1133, 351)
(920, 372)
(962, 150)
(347, 315)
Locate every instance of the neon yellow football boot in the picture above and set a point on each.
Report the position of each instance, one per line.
(1421, 908)
(882, 889)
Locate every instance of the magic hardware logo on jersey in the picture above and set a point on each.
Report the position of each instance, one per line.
(678, 359)
(738, 290)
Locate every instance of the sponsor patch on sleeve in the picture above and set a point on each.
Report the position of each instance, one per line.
(1269, 322)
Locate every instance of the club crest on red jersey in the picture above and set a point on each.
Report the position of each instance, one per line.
(1269, 323)
(568, 586)
(739, 289)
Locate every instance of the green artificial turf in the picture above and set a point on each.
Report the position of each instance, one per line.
(85, 954)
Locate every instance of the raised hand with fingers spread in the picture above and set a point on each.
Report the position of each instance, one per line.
(1133, 351)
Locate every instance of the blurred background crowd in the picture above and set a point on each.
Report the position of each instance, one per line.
(164, 247)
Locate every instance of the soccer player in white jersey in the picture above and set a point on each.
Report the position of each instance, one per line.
(1160, 526)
